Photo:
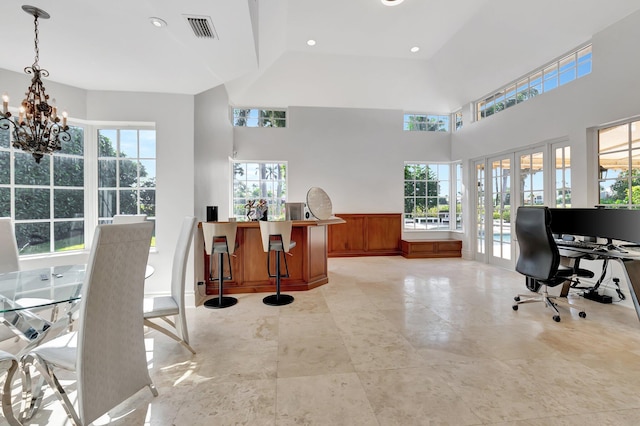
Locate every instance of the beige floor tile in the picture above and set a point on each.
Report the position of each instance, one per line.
(390, 341)
(331, 399)
(415, 396)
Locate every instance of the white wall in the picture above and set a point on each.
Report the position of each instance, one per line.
(213, 147)
(355, 155)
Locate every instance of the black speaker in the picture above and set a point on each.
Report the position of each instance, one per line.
(212, 213)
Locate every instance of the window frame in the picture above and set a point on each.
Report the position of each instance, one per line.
(624, 154)
(52, 184)
(256, 117)
(454, 195)
(238, 206)
(543, 79)
(421, 122)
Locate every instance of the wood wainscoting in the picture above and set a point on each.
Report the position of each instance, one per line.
(370, 234)
(412, 249)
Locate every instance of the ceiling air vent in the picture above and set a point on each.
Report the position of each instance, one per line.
(202, 26)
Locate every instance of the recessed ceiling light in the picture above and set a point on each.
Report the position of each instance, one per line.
(391, 2)
(157, 22)
(311, 42)
(414, 49)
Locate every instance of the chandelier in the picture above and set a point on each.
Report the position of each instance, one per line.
(38, 129)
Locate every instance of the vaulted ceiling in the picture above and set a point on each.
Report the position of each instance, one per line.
(259, 51)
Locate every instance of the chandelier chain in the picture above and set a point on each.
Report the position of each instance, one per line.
(36, 48)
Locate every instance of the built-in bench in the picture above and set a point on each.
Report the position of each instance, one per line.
(413, 249)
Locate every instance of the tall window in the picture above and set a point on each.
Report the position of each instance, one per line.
(46, 200)
(563, 176)
(458, 169)
(531, 179)
(570, 67)
(259, 180)
(480, 208)
(426, 123)
(457, 116)
(619, 165)
(126, 172)
(428, 196)
(254, 117)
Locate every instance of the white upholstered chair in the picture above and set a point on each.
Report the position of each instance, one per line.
(10, 262)
(119, 219)
(166, 307)
(8, 364)
(276, 237)
(220, 239)
(107, 353)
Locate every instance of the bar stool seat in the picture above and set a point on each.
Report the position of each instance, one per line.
(220, 239)
(276, 237)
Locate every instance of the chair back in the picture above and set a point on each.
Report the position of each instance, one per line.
(9, 258)
(280, 229)
(179, 270)
(119, 219)
(213, 230)
(539, 256)
(111, 360)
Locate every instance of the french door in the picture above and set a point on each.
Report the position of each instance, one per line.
(493, 210)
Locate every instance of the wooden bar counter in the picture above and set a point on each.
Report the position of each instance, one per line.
(307, 262)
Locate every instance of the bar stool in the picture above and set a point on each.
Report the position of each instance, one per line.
(276, 237)
(220, 238)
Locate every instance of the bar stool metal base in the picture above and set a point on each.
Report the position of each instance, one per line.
(217, 303)
(277, 300)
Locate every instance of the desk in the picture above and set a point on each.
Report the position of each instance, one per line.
(627, 256)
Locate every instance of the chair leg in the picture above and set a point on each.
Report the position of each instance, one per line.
(549, 301)
(7, 406)
(166, 332)
(46, 373)
(278, 299)
(221, 301)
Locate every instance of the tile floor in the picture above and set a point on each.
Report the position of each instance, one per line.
(393, 341)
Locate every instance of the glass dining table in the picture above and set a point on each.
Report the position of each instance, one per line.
(22, 293)
(25, 293)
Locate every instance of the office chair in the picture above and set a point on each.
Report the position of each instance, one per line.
(539, 258)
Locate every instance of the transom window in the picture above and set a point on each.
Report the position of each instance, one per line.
(45, 200)
(254, 117)
(619, 165)
(255, 181)
(426, 123)
(570, 67)
(432, 196)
